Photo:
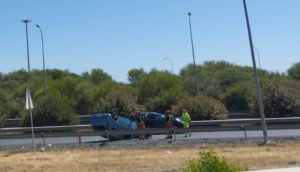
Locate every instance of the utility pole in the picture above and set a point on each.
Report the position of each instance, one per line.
(195, 73)
(45, 76)
(260, 103)
(28, 97)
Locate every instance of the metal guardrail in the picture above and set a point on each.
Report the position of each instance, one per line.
(193, 123)
(146, 131)
(9, 123)
(239, 115)
(46, 128)
(12, 122)
(247, 121)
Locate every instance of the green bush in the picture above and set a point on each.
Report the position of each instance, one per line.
(279, 100)
(51, 111)
(2, 120)
(201, 108)
(119, 99)
(238, 97)
(158, 90)
(210, 162)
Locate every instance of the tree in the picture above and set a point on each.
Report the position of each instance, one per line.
(98, 76)
(103, 89)
(66, 87)
(20, 75)
(201, 108)
(134, 75)
(233, 75)
(159, 90)
(294, 71)
(188, 70)
(84, 103)
(13, 101)
(4, 97)
(86, 76)
(207, 77)
(55, 74)
(2, 120)
(119, 99)
(217, 65)
(51, 111)
(238, 97)
(279, 100)
(2, 76)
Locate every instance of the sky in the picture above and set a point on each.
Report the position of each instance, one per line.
(119, 35)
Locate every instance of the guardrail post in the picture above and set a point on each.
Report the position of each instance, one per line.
(244, 132)
(43, 134)
(174, 133)
(107, 136)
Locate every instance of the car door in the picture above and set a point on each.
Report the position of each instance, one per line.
(159, 121)
(149, 119)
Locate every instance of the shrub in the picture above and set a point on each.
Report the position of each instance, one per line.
(201, 108)
(239, 96)
(2, 120)
(119, 99)
(158, 90)
(51, 111)
(210, 162)
(278, 99)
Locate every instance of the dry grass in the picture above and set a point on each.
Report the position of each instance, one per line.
(146, 160)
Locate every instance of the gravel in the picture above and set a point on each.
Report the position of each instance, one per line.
(137, 144)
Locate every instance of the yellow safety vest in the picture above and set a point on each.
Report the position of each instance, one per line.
(186, 117)
(170, 120)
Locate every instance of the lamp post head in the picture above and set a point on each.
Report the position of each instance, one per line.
(189, 14)
(26, 21)
(37, 25)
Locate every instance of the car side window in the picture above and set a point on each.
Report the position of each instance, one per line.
(152, 116)
(144, 115)
(159, 117)
(148, 116)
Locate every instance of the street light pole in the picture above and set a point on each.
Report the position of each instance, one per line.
(258, 56)
(45, 81)
(260, 103)
(171, 63)
(196, 81)
(29, 103)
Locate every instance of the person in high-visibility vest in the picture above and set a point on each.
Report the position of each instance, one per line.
(186, 121)
(169, 124)
(140, 123)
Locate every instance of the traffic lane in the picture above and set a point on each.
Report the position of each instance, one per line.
(236, 134)
(50, 140)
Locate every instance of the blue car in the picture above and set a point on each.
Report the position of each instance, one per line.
(107, 121)
(157, 120)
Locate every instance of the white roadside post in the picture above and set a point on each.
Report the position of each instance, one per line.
(29, 105)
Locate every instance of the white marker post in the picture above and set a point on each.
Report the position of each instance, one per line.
(29, 105)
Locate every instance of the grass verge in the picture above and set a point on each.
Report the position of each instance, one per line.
(147, 160)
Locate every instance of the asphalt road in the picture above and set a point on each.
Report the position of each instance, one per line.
(198, 135)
